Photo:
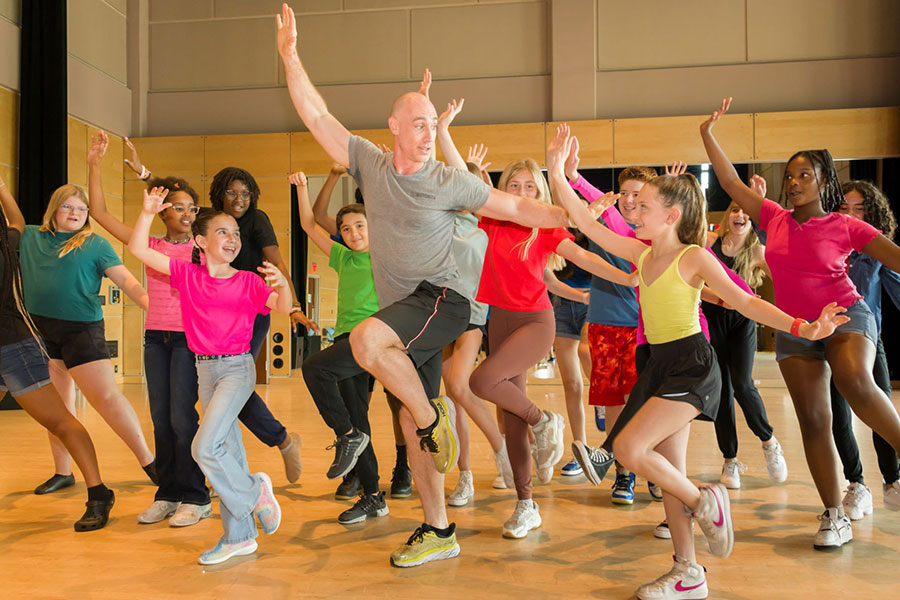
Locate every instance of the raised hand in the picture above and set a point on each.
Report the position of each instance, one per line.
(599, 206)
(829, 319)
(454, 107)
(559, 149)
(425, 86)
(135, 163)
(155, 200)
(384, 149)
(476, 156)
(298, 179)
(287, 31)
(97, 150)
(708, 124)
(298, 318)
(573, 161)
(274, 277)
(758, 185)
(677, 168)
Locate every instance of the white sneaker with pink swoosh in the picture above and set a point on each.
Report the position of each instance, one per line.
(714, 517)
(686, 581)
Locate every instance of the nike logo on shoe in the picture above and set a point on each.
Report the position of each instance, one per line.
(721, 520)
(682, 588)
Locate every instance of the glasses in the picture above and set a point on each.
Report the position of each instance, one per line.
(70, 208)
(183, 209)
(233, 195)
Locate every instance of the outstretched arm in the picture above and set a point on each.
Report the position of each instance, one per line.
(107, 220)
(320, 206)
(10, 208)
(451, 155)
(593, 263)
(139, 245)
(524, 211)
(307, 220)
(749, 201)
(884, 251)
(327, 130)
(280, 300)
(564, 290)
(122, 277)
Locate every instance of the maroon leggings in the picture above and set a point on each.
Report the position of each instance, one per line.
(518, 341)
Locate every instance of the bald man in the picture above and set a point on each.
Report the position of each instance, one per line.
(411, 203)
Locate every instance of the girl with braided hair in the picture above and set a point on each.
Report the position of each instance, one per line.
(807, 249)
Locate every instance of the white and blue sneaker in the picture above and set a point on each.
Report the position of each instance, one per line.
(655, 491)
(600, 417)
(623, 489)
(571, 469)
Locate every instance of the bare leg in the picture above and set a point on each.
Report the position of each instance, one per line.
(612, 415)
(573, 383)
(65, 387)
(674, 449)
(429, 482)
(465, 351)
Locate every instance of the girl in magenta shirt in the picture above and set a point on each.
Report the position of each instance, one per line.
(219, 305)
(521, 330)
(807, 250)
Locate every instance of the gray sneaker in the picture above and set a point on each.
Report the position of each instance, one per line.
(595, 462)
(190, 514)
(156, 512)
(548, 440)
(346, 451)
(367, 506)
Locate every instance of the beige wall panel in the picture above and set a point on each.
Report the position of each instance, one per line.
(486, 40)
(352, 47)
(10, 176)
(177, 10)
(134, 195)
(179, 156)
(595, 139)
(668, 34)
(262, 154)
(133, 340)
(275, 201)
(119, 5)
(106, 51)
(9, 55)
(284, 245)
(254, 8)
(816, 29)
(663, 140)
(505, 143)
(851, 133)
(213, 54)
(10, 10)
(97, 98)
(9, 127)
(371, 4)
(77, 152)
(308, 156)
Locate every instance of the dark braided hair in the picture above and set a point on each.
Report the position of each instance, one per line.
(12, 293)
(199, 227)
(174, 184)
(877, 209)
(830, 195)
(224, 178)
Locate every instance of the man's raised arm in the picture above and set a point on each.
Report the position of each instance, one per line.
(327, 130)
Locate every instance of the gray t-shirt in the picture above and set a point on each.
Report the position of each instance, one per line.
(410, 219)
(469, 246)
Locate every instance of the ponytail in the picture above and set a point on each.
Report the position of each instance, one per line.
(195, 254)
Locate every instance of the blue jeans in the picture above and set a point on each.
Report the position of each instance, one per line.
(256, 415)
(172, 387)
(224, 384)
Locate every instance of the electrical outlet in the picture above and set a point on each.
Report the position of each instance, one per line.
(115, 295)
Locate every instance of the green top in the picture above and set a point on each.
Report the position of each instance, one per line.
(356, 288)
(65, 288)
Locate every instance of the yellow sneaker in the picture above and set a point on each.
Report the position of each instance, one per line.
(442, 440)
(425, 545)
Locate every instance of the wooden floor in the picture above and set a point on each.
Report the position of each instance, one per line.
(585, 548)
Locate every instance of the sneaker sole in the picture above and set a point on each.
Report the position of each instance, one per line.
(662, 536)
(238, 552)
(402, 496)
(830, 548)
(581, 455)
(437, 554)
(854, 516)
(623, 501)
(350, 497)
(204, 515)
(163, 518)
(515, 534)
(381, 512)
(267, 481)
(572, 473)
(459, 501)
(359, 450)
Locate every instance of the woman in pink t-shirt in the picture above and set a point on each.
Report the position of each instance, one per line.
(807, 250)
(521, 329)
(219, 305)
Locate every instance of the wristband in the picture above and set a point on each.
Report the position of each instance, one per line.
(145, 173)
(295, 309)
(795, 327)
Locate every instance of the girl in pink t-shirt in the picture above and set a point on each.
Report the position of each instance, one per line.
(807, 250)
(521, 329)
(218, 308)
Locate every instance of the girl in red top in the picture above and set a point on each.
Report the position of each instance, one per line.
(521, 331)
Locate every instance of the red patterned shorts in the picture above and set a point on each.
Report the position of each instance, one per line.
(612, 363)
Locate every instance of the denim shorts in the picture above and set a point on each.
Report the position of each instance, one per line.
(23, 367)
(862, 321)
(570, 317)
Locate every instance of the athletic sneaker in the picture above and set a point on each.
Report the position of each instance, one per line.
(714, 517)
(267, 510)
(544, 474)
(441, 439)
(156, 512)
(595, 462)
(731, 473)
(499, 483)
(347, 449)
(834, 529)
(891, 495)
(190, 514)
(623, 489)
(465, 490)
(600, 417)
(293, 467)
(686, 581)
(857, 501)
(223, 552)
(655, 491)
(525, 518)
(775, 463)
(548, 440)
(367, 506)
(571, 469)
(504, 469)
(425, 545)
(662, 531)
(401, 482)
(349, 488)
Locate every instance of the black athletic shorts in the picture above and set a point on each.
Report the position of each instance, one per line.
(74, 342)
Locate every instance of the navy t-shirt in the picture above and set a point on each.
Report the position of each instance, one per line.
(611, 303)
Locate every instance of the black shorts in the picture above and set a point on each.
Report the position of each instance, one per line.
(74, 342)
(684, 370)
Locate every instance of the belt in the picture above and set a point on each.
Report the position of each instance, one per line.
(217, 356)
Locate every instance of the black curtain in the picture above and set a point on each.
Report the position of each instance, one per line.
(43, 105)
(890, 316)
(298, 271)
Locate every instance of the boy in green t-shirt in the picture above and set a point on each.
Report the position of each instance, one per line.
(343, 401)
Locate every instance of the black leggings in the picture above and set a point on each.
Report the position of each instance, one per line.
(733, 337)
(842, 429)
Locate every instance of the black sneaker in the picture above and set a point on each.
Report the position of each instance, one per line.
(96, 515)
(55, 483)
(349, 488)
(595, 462)
(401, 483)
(367, 506)
(346, 450)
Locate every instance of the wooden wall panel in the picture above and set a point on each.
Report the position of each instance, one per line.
(10, 176)
(595, 139)
(77, 153)
(658, 141)
(133, 340)
(850, 133)
(179, 156)
(506, 143)
(307, 155)
(275, 201)
(9, 128)
(260, 154)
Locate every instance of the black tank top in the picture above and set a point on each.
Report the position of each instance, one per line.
(717, 248)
